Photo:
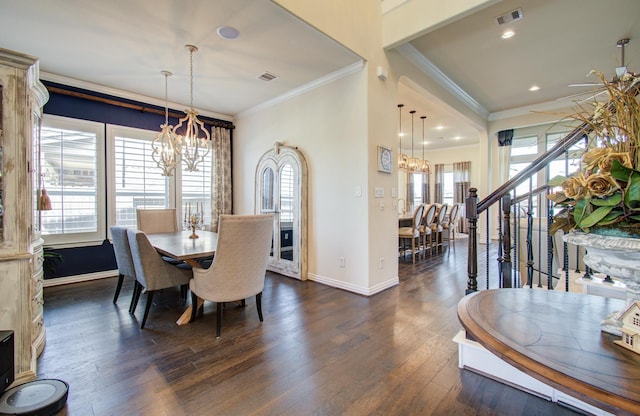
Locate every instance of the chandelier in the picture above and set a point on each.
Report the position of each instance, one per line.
(424, 166)
(413, 162)
(166, 146)
(402, 158)
(195, 138)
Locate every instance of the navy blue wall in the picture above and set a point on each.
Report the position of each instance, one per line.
(81, 260)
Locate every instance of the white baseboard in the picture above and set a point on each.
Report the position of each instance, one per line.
(367, 291)
(473, 356)
(79, 278)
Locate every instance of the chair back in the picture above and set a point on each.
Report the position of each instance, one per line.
(429, 215)
(151, 271)
(442, 213)
(154, 221)
(453, 215)
(417, 216)
(122, 251)
(240, 263)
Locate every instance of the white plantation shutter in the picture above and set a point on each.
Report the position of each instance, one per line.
(196, 187)
(72, 160)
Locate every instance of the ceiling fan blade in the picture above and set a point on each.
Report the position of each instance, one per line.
(591, 84)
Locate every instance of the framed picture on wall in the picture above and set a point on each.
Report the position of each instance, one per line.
(385, 159)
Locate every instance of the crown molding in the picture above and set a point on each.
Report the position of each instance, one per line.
(327, 79)
(419, 60)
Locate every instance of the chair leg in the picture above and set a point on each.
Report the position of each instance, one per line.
(259, 305)
(183, 292)
(219, 306)
(137, 289)
(118, 287)
(146, 309)
(194, 306)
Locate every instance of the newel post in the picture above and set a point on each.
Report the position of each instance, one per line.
(472, 255)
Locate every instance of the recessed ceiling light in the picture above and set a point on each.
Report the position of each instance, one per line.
(457, 138)
(508, 34)
(534, 88)
(228, 32)
(439, 127)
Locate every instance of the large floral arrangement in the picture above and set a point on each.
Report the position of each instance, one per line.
(604, 196)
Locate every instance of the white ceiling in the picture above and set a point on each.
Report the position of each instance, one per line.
(124, 44)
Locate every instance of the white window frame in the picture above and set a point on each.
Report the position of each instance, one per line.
(98, 236)
(114, 131)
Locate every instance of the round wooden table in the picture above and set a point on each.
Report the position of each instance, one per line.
(555, 337)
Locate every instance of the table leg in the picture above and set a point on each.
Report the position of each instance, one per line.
(185, 318)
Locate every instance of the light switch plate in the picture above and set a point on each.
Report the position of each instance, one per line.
(379, 192)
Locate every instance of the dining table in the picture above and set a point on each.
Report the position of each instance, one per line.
(178, 245)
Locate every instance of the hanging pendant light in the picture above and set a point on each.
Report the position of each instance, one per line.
(166, 146)
(413, 162)
(402, 158)
(424, 166)
(195, 138)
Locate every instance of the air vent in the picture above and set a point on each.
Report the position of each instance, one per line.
(267, 76)
(509, 17)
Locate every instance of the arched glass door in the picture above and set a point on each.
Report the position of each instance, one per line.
(281, 190)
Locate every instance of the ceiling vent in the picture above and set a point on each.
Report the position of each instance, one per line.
(509, 17)
(267, 76)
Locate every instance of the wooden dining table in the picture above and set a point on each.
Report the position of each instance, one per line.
(179, 246)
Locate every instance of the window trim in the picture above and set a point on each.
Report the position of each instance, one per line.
(98, 236)
(112, 131)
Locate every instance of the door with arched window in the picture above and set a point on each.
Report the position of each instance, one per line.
(281, 189)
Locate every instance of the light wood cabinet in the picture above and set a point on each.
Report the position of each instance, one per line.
(21, 252)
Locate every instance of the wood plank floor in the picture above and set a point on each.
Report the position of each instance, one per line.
(319, 351)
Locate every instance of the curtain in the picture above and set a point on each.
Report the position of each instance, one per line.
(462, 183)
(438, 188)
(410, 193)
(505, 139)
(426, 196)
(221, 174)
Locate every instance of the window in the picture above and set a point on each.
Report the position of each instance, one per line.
(447, 188)
(135, 179)
(77, 174)
(72, 158)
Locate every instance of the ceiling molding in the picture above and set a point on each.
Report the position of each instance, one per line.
(341, 73)
(547, 107)
(419, 60)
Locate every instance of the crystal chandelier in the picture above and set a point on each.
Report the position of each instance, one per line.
(424, 166)
(402, 158)
(413, 162)
(195, 137)
(166, 146)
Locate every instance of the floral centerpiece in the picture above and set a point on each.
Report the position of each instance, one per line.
(604, 196)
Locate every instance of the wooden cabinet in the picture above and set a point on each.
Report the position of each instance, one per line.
(21, 255)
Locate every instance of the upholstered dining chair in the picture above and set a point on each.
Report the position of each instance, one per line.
(412, 233)
(153, 221)
(153, 273)
(239, 266)
(452, 222)
(425, 228)
(124, 260)
(437, 226)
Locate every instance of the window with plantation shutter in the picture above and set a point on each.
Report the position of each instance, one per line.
(72, 158)
(136, 180)
(196, 187)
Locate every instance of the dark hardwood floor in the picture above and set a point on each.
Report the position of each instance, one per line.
(319, 351)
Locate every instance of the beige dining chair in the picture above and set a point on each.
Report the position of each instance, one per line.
(437, 226)
(239, 266)
(412, 233)
(124, 260)
(452, 223)
(153, 273)
(425, 228)
(153, 221)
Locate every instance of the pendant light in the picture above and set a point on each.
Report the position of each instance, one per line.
(195, 137)
(166, 146)
(424, 166)
(413, 162)
(402, 158)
